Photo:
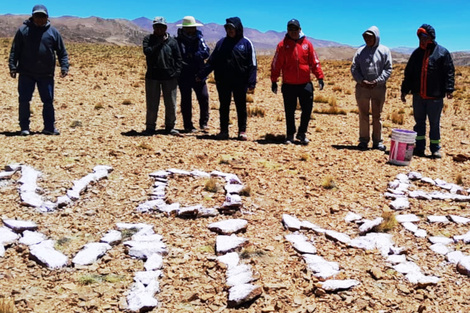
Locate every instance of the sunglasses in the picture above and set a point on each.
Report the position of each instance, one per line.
(294, 29)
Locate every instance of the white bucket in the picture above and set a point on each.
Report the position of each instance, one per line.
(401, 146)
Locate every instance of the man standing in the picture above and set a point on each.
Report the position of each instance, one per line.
(371, 67)
(429, 76)
(164, 65)
(296, 58)
(33, 57)
(234, 64)
(194, 51)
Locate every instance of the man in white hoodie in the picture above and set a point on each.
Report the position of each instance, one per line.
(371, 68)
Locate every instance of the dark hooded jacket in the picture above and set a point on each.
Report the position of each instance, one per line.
(429, 72)
(194, 52)
(34, 49)
(233, 59)
(163, 57)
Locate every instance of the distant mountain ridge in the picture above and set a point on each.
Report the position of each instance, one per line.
(213, 32)
(125, 32)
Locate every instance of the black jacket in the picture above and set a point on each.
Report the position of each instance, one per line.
(34, 49)
(233, 59)
(163, 57)
(429, 72)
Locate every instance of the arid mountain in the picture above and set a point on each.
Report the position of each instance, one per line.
(124, 32)
(263, 41)
(76, 29)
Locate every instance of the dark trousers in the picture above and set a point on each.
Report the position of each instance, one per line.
(200, 89)
(26, 86)
(291, 93)
(225, 91)
(430, 109)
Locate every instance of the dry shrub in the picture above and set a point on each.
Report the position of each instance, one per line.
(249, 98)
(246, 191)
(145, 146)
(7, 306)
(337, 88)
(328, 182)
(459, 179)
(320, 99)
(76, 124)
(398, 118)
(127, 102)
(305, 157)
(256, 111)
(99, 106)
(279, 118)
(389, 222)
(211, 185)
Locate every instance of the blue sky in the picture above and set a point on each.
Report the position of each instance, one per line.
(342, 21)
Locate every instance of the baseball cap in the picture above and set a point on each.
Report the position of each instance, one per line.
(40, 9)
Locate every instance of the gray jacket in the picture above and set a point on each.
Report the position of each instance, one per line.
(373, 64)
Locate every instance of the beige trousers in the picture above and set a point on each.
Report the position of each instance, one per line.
(370, 100)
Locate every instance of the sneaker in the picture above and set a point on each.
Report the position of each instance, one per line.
(205, 128)
(190, 130)
(362, 146)
(418, 153)
(54, 132)
(172, 131)
(242, 136)
(379, 146)
(25, 132)
(303, 139)
(289, 140)
(222, 136)
(437, 154)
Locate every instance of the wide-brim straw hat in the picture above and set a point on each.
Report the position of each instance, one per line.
(189, 21)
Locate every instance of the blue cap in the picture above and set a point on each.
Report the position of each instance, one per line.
(41, 9)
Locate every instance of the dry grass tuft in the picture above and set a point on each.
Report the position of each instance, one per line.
(320, 99)
(211, 185)
(7, 306)
(127, 102)
(398, 118)
(459, 179)
(246, 191)
(388, 223)
(145, 146)
(305, 157)
(99, 106)
(256, 111)
(76, 124)
(328, 182)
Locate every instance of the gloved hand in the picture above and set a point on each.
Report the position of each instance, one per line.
(63, 74)
(321, 84)
(274, 87)
(13, 74)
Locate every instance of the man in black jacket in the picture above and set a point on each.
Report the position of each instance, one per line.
(164, 65)
(429, 76)
(33, 57)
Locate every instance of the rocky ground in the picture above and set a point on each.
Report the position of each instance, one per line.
(100, 110)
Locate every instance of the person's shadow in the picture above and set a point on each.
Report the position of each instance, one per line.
(354, 147)
(17, 133)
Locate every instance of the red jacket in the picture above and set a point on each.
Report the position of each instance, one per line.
(295, 59)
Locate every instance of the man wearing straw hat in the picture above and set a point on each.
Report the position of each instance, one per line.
(194, 51)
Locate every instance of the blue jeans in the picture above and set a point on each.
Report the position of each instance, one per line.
(431, 109)
(26, 85)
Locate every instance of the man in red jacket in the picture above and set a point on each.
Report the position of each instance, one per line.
(296, 58)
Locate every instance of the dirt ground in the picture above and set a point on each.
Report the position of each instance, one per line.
(100, 111)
